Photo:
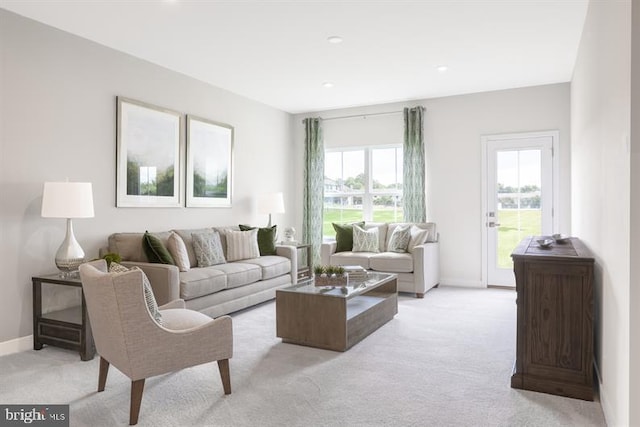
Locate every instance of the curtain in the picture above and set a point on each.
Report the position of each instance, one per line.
(313, 187)
(413, 185)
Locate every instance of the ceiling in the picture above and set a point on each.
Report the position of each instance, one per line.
(277, 52)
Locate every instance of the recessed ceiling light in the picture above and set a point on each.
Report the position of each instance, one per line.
(442, 68)
(334, 39)
(327, 84)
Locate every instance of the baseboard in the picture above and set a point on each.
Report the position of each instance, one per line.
(16, 345)
(607, 410)
(461, 283)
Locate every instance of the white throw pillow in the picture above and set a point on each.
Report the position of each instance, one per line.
(178, 251)
(208, 249)
(400, 239)
(365, 240)
(242, 244)
(418, 237)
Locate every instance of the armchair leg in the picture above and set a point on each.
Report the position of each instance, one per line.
(137, 387)
(223, 367)
(102, 376)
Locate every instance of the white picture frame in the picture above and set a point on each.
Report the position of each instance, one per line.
(209, 163)
(149, 154)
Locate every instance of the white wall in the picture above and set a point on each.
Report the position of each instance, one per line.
(58, 120)
(453, 127)
(600, 128)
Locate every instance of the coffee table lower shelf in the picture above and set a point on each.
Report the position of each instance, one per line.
(334, 323)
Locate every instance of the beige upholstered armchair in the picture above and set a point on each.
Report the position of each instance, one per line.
(127, 336)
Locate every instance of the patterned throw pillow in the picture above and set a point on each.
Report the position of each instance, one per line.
(149, 298)
(365, 240)
(155, 250)
(242, 244)
(400, 239)
(208, 249)
(178, 251)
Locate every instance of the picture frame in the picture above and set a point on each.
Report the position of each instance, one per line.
(149, 155)
(209, 163)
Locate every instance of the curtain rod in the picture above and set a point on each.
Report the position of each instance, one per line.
(361, 115)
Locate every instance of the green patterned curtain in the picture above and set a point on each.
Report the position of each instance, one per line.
(413, 190)
(313, 187)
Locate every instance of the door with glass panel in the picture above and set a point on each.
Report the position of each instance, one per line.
(519, 198)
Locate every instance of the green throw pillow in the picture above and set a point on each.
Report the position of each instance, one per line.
(155, 250)
(266, 238)
(344, 235)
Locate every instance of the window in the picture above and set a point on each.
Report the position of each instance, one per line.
(362, 184)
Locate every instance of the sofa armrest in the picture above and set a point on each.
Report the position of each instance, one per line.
(426, 266)
(164, 279)
(326, 250)
(290, 252)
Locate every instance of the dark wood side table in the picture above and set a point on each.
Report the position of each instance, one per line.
(554, 341)
(68, 328)
(304, 260)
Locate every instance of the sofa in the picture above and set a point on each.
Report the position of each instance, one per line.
(213, 290)
(418, 269)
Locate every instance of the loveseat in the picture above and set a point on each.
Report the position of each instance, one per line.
(417, 268)
(213, 290)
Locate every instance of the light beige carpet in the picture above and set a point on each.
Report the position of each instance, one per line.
(444, 360)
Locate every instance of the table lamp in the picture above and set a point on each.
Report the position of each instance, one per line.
(271, 203)
(68, 200)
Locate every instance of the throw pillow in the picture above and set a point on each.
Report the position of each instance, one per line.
(418, 237)
(178, 251)
(242, 244)
(344, 235)
(155, 250)
(149, 298)
(400, 239)
(365, 240)
(266, 238)
(208, 249)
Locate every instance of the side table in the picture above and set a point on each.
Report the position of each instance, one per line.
(68, 328)
(304, 259)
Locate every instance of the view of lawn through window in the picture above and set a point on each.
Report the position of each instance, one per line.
(362, 184)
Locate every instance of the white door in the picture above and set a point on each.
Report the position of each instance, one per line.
(518, 181)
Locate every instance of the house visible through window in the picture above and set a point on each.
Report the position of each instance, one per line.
(362, 184)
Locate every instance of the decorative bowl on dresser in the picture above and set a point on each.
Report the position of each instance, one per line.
(554, 342)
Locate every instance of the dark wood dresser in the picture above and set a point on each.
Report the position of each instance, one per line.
(554, 342)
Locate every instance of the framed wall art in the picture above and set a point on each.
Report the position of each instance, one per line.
(149, 155)
(209, 163)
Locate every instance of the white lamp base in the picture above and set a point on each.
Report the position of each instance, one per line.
(70, 255)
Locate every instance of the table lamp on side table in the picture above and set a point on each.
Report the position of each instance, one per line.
(68, 200)
(271, 203)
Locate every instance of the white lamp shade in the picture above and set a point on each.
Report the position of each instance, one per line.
(67, 200)
(271, 203)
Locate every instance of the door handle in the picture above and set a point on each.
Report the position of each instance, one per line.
(493, 224)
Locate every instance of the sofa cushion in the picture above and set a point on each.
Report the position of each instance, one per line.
(271, 265)
(156, 250)
(188, 242)
(179, 319)
(418, 237)
(365, 240)
(208, 249)
(351, 258)
(201, 281)
(391, 262)
(382, 233)
(240, 273)
(344, 235)
(266, 238)
(128, 246)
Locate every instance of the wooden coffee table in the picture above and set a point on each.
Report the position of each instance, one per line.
(335, 318)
